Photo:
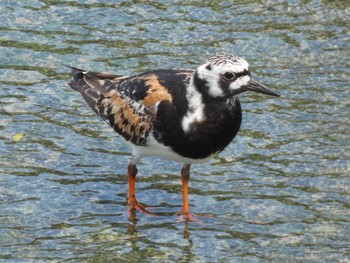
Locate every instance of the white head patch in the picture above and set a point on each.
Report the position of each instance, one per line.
(213, 69)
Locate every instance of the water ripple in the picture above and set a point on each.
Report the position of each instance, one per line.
(279, 192)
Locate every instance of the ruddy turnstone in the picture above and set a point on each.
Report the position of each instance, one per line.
(183, 115)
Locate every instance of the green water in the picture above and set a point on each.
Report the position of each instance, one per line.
(279, 193)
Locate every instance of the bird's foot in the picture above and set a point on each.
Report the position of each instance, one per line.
(136, 206)
(186, 216)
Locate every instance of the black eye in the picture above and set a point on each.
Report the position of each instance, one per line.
(228, 75)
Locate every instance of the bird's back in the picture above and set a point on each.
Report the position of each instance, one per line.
(130, 104)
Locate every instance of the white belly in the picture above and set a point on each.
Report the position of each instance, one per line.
(153, 148)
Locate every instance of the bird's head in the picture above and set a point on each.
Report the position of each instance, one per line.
(226, 76)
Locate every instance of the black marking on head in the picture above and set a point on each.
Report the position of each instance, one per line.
(225, 83)
(202, 86)
(208, 67)
(232, 76)
(244, 73)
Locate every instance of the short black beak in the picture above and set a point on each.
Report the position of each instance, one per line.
(256, 86)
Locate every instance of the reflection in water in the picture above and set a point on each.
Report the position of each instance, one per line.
(280, 192)
(188, 255)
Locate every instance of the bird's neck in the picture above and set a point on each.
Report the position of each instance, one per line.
(202, 107)
(195, 110)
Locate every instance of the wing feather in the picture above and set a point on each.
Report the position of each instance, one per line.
(130, 104)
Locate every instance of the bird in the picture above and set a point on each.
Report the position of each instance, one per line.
(183, 115)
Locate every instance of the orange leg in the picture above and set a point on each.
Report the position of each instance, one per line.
(132, 202)
(184, 213)
(132, 171)
(185, 177)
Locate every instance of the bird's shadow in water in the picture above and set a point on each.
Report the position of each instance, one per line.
(187, 254)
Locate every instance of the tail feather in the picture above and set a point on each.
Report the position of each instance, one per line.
(77, 74)
(89, 87)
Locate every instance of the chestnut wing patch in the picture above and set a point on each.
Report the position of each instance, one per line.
(146, 89)
(130, 119)
(155, 93)
(131, 107)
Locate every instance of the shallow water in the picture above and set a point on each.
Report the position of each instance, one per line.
(279, 192)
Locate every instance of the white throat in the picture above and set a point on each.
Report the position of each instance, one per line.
(195, 112)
